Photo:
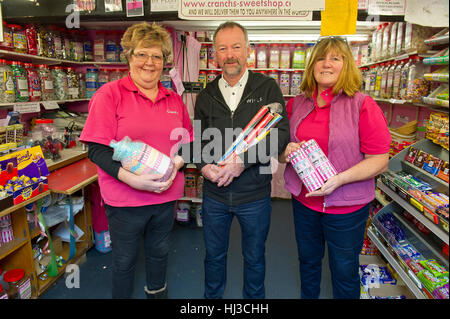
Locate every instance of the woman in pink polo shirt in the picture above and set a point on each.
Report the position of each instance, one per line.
(352, 131)
(137, 206)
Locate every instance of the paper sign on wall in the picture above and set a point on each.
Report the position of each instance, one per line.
(113, 5)
(387, 7)
(32, 107)
(249, 9)
(163, 5)
(135, 8)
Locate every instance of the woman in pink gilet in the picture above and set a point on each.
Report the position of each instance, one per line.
(352, 131)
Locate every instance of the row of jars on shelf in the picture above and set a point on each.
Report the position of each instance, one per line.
(68, 44)
(27, 82)
(402, 80)
(263, 56)
(289, 81)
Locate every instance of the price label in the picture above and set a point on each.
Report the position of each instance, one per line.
(50, 105)
(32, 107)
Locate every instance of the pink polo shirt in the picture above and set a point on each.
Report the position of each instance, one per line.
(119, 109)
(316, 125)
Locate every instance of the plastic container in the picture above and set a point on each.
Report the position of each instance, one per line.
(274, 74)
(203, 64)
(82, 85)
(20, 81)
(46, 79)
(7, 92)
(19, 284)
(59, 82)
(404, 80)
(115, 74)
(284, 82)
(44, 128)
(212, 64)
(296, 80)
(285, 56)
(73, 84)
(103, 77)
(261, 56)
(30, 33)
(202, 77)
(7, 43)
(99, 46)
(417, 86)
(78, 51)
(50, 43)
(34, 82)
(251, 59)
(91, 82)
(386, 41)
(58, 42)
(379, 43)
(397, 79)
(274, 56)
(19, 38)
(211, 75)
(67, 44)
(384, 80)
(298, 56)
(390, 80)
(400, 38)
(111, 47)
(87, 47)
(41, 42)
(190, 182)
(372, 78)
(376, 91)
(393, 39)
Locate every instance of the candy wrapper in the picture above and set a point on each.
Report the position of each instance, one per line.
(306, 170)
(319, 159)
(140, 158)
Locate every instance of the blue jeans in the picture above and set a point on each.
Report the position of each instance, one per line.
(344, 235)
(254, 220)
(127, 226)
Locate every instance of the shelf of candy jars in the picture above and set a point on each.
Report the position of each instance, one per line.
(420, 259)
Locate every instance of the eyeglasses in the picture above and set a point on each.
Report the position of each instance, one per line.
(143, 57)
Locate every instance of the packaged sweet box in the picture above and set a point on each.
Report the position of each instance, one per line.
(23, 175)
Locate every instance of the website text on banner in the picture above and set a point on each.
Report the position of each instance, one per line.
(249, 9)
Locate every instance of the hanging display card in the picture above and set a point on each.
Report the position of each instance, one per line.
(249, 10)
(430, 13)
(135, 8)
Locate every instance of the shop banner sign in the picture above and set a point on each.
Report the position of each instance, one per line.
(387, 7)
(163, 5)
(249, 9)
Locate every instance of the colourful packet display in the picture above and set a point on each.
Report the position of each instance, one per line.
(411, 154)
(436, 269)
(441, 292)
(430, 281)
(306, 170)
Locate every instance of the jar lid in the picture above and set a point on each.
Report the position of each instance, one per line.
(57, 67)
(28, 65)
(299, 44)
(202, 71)
(14, 275)
(1, 288)
(2, 61)
(273, 70)
(261, 44)
(92, 70)
(43, 121)
(286, 44)
(274, 44)
(43, 66)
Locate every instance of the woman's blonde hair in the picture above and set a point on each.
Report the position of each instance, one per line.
(349, 80)
(147, 35)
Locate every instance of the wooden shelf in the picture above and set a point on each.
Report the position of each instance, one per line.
(23, 204)
(12, 246)
(71, 178)
(68, 156)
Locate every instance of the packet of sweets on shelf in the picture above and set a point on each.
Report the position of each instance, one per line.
(443, 172)
(411, 154)
(420, 158)
(441, 292)
(436, 269)
(430, 281)
(432, 164)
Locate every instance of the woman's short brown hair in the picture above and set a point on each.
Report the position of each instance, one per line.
(349, 80)
(147, 35)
